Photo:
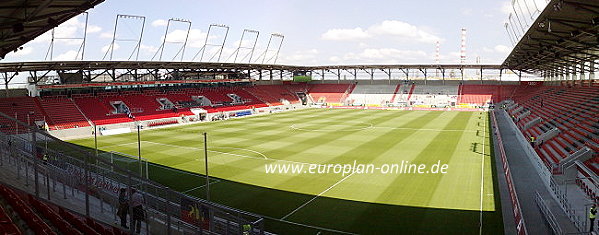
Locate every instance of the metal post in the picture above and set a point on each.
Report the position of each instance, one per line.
(166, 210)
(48, 183)
(16, 124)
(139, 150)
(206, 166)
(35, 160)
(86, 182)
(96, 139)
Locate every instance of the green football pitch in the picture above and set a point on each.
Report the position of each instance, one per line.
(453, 192)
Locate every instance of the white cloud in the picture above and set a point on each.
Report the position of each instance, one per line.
(382, 55)
(69, 55)
(73, 28)
(345, 34)
(93, 29)
(106, 35)
(159, 22)
(196, 37)
(502, 49)
(149, 49)
(399, 30)
(107, 47)
(302, 57)
(404, 31)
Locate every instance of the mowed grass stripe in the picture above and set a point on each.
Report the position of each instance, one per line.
(296, 145)
(372, 149)
(467, 162)
(440, 148)
(391, 151)
(224, 135)
(370, 145)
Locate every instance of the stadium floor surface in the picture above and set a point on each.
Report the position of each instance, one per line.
(241, 149)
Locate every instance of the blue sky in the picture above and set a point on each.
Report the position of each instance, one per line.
(316, 32)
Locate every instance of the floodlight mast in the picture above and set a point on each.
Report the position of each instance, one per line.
(509, 35)
(82, 47)
(137, 47)
(81, 50)
(517, 17)
(236, 52)
(164, 40)
(264, 55)
(206, 44)
(512, 25)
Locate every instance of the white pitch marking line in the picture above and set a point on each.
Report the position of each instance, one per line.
(314, 198)
(237, 155)
(482, 176)
(214, 151)
(199, 187)
(420, 129)
(370, 126)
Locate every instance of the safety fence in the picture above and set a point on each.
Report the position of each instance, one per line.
(518, 219)
(60, 170)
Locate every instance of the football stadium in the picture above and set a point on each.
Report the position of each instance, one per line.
(239, 139)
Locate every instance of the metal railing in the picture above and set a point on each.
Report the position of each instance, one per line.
(548, 215)
(41, 159)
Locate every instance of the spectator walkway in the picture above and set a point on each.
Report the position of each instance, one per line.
(527, 184)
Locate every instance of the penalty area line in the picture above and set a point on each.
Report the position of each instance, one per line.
(213, 151)
(314, 198)
(421, 129)
(199, 187)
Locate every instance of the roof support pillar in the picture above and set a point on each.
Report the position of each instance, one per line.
(519, 76)
(573, 75)
(481, 75)
(6, 83)
(562, 76)
(443, 75)
(582, 75)
(592, 73)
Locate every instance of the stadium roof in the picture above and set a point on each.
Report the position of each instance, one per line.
(564, 35)
(100, 65)
(23, 20)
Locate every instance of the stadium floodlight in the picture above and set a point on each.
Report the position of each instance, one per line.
(80, 51)
(221, 46)
(511, 24)
(522, 27)
(531, 14)
(276, 54)
(509, 34)
(252, 48)
(537, 9)
(116, 39)
(165, 40)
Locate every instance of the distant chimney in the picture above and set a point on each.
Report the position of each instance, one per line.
(437, 53)
(463, 47)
